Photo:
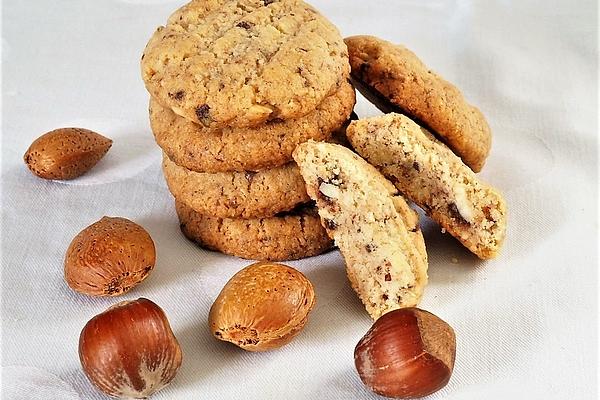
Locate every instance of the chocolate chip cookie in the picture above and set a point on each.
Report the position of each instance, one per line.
(237, 194)
(241, 63)
(376, 231)
(433, 177)
(394, 79)
(246, 149)
(286, 236)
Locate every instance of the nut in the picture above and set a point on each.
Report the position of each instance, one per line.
(329, 190)
(262, 307)
(66, 153)
(407, 353)
(129, 350)
(109, 257)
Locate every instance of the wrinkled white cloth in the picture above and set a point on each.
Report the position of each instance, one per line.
(526, 323)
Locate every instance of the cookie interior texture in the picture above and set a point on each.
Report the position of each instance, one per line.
(375, 230)
(395, 79)
(247, 149)
(429, 174)
(241, 63)
(237, 194)
(287, 236)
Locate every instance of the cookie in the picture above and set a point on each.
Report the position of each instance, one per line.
(433, 177)
(375, 230)
(246, 149)
(241, 63)
(396, 80)
(237, 194)
(287, 236)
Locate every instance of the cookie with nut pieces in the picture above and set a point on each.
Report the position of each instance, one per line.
(376, 231)
(241, 63)
(237, 194)
(432, 176)
(247, 149)
(395, 79)
(286, 236)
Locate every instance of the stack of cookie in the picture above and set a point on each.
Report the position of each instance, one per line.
(236, 86)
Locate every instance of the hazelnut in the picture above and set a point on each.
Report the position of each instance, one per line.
(407, 353)
(109, 257)
(129, 350)
(262, 307)
(66, 153)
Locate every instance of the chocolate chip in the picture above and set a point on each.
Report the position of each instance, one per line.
(267, 2)
(330, 224)
(371, 247)
(249, 175)
(455, 214)
(203, 113)
(384, 297)
(416, 166)
(177, 95)
(245, 24)
(388, 277)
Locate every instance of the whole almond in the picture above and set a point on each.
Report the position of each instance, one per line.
(109, 257)
(262, 307)
(66, 153)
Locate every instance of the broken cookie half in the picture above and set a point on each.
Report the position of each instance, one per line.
(431, 175)
(377, 233)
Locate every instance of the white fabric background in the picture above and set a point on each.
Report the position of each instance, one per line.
(526, 323)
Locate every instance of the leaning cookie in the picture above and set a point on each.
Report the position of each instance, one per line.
(429, 174)
(247, 149)
(231, 63)
(287, 236)
(394, 79)
(376, 231)
(237, 194)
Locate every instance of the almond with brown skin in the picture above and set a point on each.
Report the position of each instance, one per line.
(262, 307)
(66, 153)
(109, 257)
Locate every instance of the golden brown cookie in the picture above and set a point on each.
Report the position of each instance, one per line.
(394, 79)
(429, 174)
(240, 63)
(246, 149)
(237, 194)
(377, 232)
(287, 236)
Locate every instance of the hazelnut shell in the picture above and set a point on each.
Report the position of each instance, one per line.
(129, 350)
(407, 353)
